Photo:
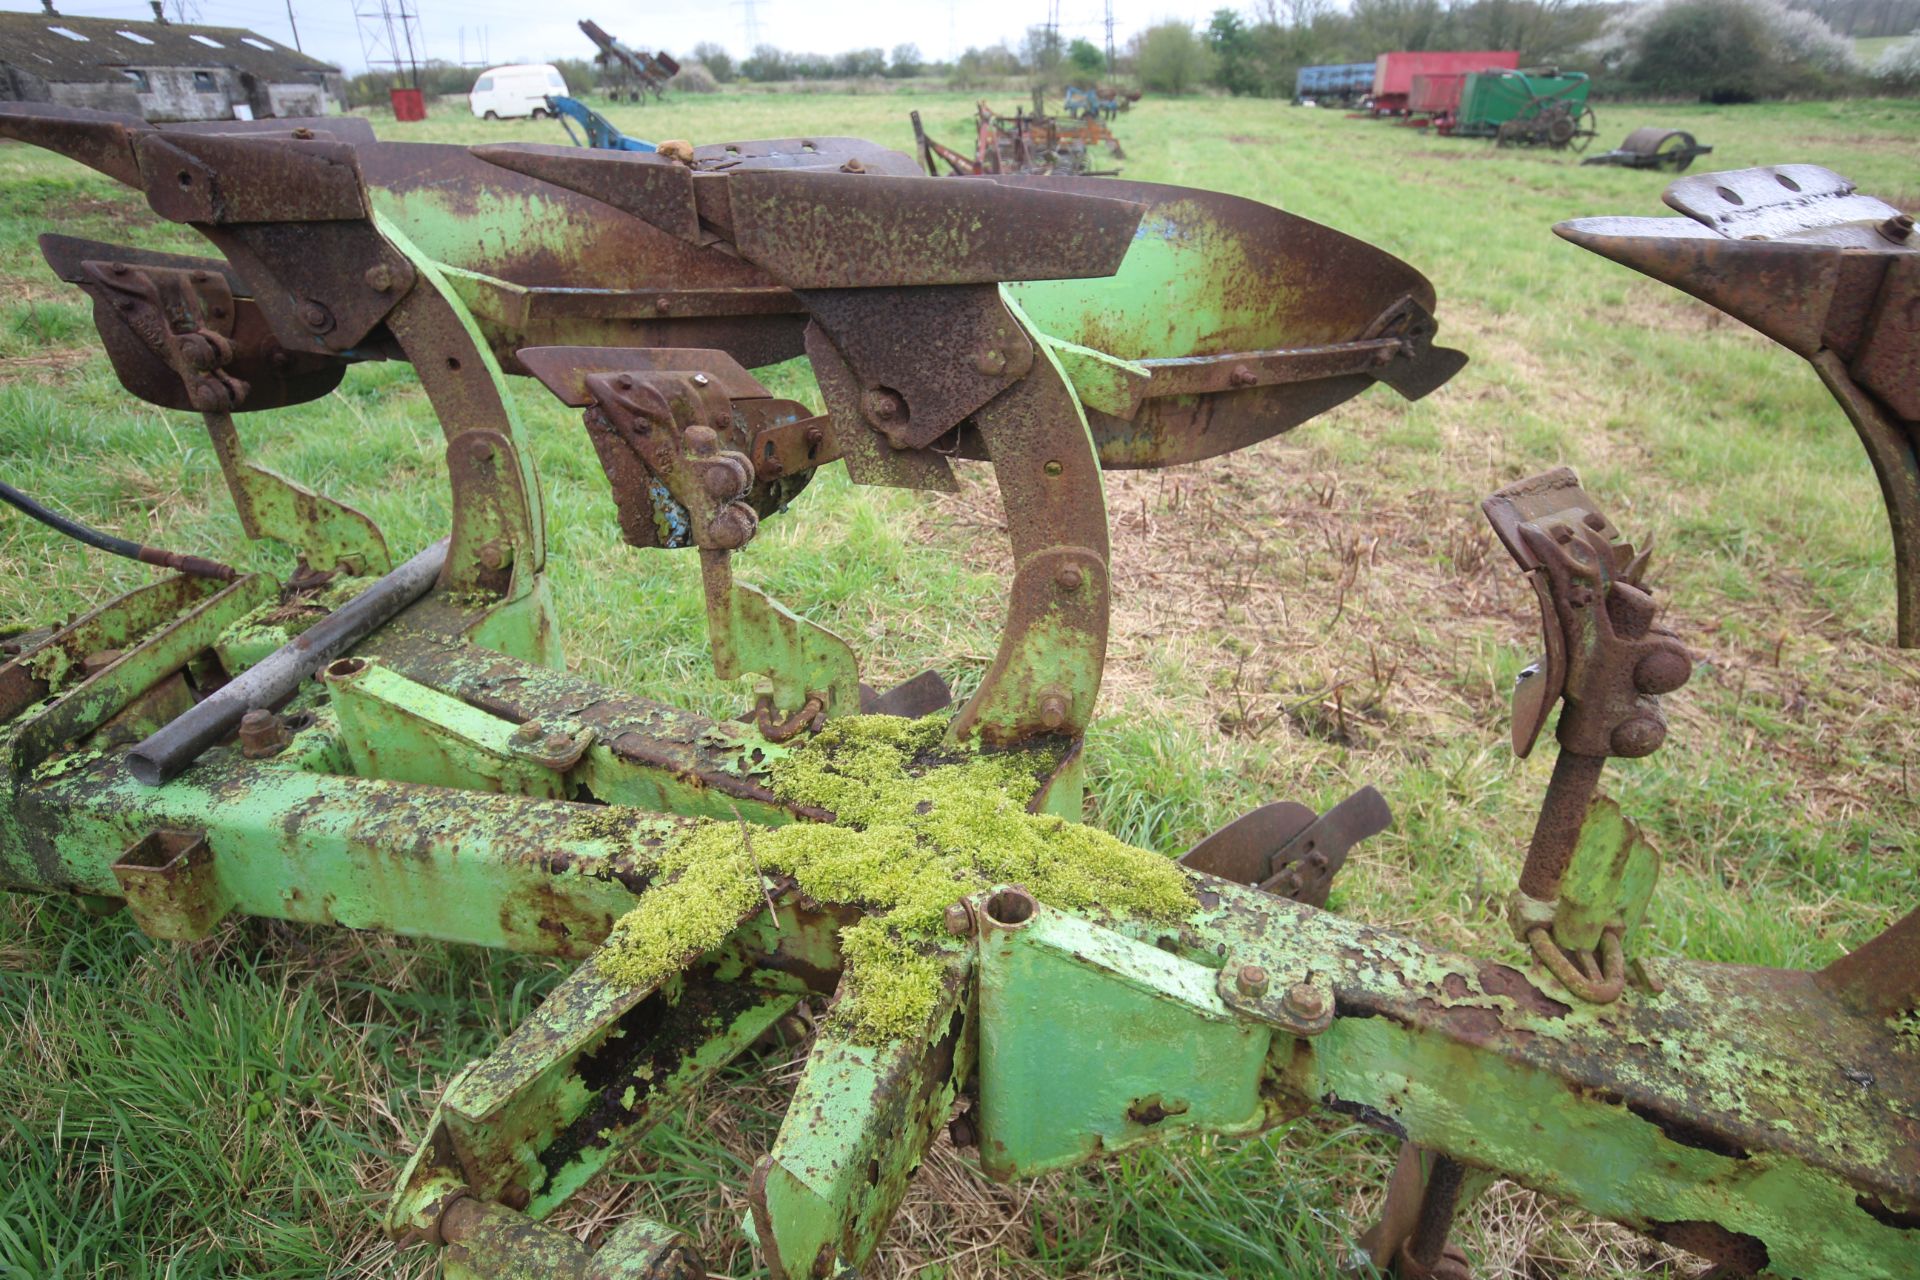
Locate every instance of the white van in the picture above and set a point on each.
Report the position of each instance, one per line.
(518, 90)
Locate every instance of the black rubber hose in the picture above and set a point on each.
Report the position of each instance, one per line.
(197, 566)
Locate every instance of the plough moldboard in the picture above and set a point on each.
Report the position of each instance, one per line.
(421, 760)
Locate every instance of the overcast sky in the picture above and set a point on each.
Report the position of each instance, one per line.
(536, 30)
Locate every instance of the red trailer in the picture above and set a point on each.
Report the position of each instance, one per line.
(1393, 73)
(1434, 98)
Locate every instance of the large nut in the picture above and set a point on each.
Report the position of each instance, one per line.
(732, 528)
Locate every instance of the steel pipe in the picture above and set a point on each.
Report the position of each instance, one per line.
(170, 749)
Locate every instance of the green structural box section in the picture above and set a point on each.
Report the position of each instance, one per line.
(1092, 1042)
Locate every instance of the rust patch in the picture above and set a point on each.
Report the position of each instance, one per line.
(1876, 1209)
(1151, 1110)
(1688, 1134)
(1505, 980)
(1741, 1254)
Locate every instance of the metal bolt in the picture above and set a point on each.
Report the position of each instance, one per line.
(305, 135)
(262, 733)
(815, 437)
(959, 920)
(1053, 467)
(663, 304)
(1251, 980)
(1069, 578)
(493, 555)
(119, 268)
(481, 450)
(990, 363)
(199, 277)
(1898, 227)
(1242, 376)
(732, 528)
(853, 166)
(1053, 710)
(379, 278)
(1304, 1000)
(623, 382)
(701, 440)
(528, 731)
(557, 743)
(316, 317)
(701, 379)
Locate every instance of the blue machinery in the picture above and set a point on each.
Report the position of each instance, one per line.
(598, 130)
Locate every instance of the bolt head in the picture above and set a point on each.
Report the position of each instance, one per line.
(1640, 736)
(732, 528)
(1053, 467)
(1305, 1000)
(557, 742)
(1053, 710)
(527, 732)
(701, 440)
(1242, 377)
(379, 278)
(1251, 980)
(701, 379)
(663, 304)
(1069, 578)
(316, 316)
(256, 719)
(959, 920)
(990, 363)
(493, 555)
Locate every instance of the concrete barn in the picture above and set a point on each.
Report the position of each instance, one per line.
(159, 70)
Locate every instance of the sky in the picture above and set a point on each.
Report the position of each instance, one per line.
(500, 31)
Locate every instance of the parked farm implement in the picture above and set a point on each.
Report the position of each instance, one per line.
(1023, 143)
(626, 74)
(1105, 103)
(1652, 147)
(595, 129)
(390, 739)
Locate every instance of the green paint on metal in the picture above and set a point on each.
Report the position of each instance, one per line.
(1609, 881)
(1092, 1042)
(326, 534)
(751, 633)
(862, 1117)
(431, 277)
(919, 825)
(400, 731)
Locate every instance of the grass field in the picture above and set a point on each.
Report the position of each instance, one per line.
(1323, 611)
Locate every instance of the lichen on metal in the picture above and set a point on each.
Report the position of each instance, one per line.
(918, 826)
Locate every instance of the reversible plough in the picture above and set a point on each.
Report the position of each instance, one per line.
(393, 742)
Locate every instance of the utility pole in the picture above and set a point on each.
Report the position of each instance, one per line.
(296, 28)
(1109, 38)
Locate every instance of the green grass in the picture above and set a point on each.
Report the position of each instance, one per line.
(1320, 612)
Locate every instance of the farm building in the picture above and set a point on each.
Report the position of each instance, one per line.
(159, 70)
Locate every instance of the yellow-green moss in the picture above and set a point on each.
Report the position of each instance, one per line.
(919, 825)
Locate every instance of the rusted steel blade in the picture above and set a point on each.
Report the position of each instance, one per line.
(1832, 275)
(651, 187)
(922, 695)
(1303, 868)
(1242, 851)
(1881, 978)
(100, 140)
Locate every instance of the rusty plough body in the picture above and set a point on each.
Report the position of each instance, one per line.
(419, 760)
(1024, 143)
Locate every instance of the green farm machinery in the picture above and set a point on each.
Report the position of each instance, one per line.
(391, 739)
(1537, 107)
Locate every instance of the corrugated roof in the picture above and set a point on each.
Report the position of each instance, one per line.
(48, 47)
